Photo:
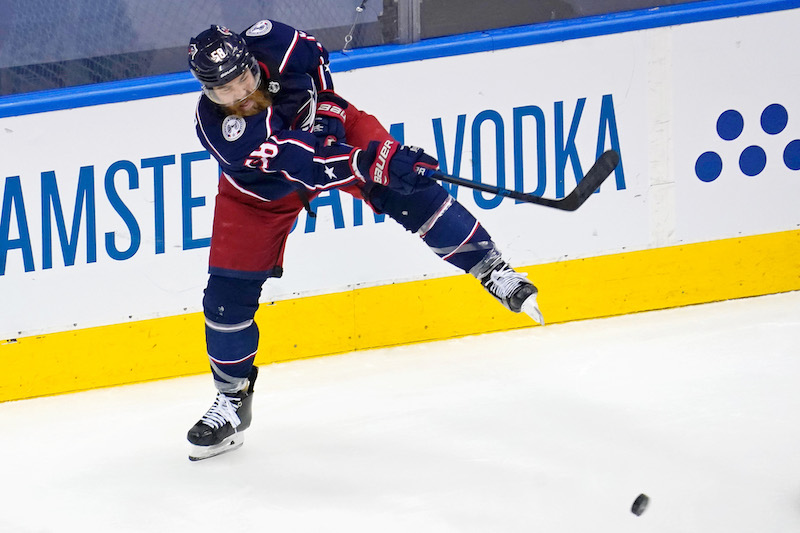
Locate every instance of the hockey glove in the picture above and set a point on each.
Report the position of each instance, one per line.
(330, 118)
(401, 168)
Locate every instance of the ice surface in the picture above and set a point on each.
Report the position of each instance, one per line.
(553, 429)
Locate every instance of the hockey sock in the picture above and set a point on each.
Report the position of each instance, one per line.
(229, 306)
(445, 225)
(456, 236)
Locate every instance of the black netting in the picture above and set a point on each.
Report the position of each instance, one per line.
(449, 17)
(47, 44)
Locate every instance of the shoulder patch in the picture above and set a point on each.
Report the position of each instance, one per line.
(260, 28)
(233, 127)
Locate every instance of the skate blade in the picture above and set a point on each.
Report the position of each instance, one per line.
(198, 453)
(531, 308)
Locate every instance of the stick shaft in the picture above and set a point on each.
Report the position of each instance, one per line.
(601, 169)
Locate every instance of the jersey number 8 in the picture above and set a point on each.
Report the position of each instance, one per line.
(259, 159)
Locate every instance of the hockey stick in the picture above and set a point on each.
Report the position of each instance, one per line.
(601, 169)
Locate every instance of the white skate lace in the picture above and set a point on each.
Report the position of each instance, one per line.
(221, 412)
(504, 282)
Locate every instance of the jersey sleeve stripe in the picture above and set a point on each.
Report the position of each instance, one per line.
(295, 142)
(333, 159)
(320, 187)
(288, 52)
(208, 141)
(323, 82)
(242, 189)
(269, 122)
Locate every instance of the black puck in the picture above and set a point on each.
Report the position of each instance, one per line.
(640, 504)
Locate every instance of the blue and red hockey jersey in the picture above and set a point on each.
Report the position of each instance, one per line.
(274, 153)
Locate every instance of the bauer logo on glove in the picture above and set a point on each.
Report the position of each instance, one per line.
(331, 110)
(401, 168)
(387, 150)
(331, 116)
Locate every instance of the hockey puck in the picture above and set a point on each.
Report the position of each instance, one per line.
(640, 504)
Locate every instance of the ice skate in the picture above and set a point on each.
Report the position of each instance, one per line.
(513, 290)
(221, 428)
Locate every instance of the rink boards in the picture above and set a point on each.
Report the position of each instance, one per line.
(106, 209)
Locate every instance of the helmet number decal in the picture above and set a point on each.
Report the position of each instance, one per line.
(259, 158)
(218, 55)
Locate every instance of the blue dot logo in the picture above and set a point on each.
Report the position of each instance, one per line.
(708, 166)
(730, 125)
(791, 155)
(753, 159)
(774, 119)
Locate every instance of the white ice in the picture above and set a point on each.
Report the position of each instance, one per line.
(553, 429)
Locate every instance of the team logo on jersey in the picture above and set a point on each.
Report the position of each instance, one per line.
(260, 28)
(273, 87)
(233, 127)
(304, 119)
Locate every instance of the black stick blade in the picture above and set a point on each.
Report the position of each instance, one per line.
(601, 169)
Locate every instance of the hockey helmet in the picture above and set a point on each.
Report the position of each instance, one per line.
(218, 56)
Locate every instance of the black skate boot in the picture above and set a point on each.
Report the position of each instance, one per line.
(512, 289)
(221, 428)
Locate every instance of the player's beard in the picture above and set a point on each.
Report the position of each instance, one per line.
(252, 105)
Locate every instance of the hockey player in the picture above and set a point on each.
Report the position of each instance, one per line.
(270, 117)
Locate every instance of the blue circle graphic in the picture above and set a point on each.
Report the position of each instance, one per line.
(774, 119)
(708, 166)
(753, 160)
(791, 155)
(730, 124)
